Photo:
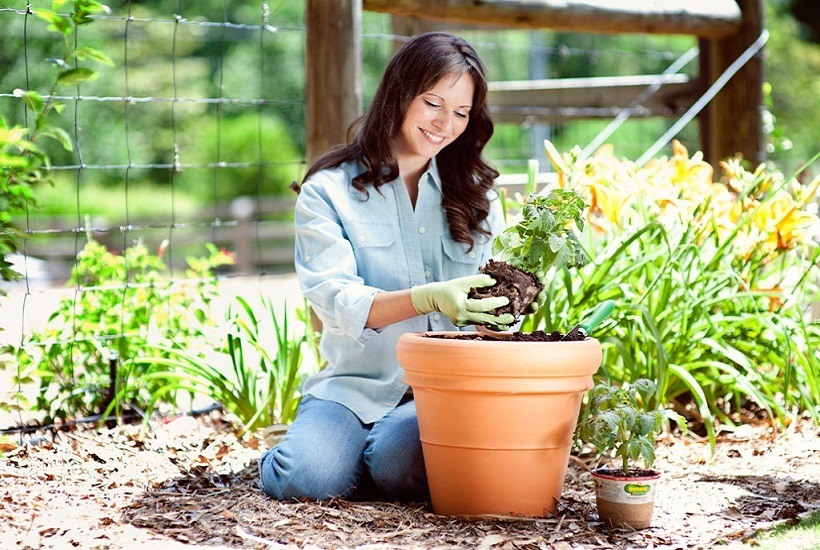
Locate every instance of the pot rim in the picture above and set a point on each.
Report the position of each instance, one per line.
(419, 355)
(473, 342)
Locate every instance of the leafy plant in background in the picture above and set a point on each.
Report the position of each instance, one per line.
(24, 163)
(260, 381)
(123, 304)
(713, 281)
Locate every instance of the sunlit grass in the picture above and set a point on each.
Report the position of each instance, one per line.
(803, 536)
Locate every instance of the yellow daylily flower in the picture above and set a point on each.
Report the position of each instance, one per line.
(686, 171)
(557, 162)
(783, 221)
(607, 202)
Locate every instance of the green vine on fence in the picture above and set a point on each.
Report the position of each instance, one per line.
(24, 164)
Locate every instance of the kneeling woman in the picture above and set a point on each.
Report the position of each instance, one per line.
(390, 231)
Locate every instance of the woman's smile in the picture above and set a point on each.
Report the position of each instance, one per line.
(435, 139)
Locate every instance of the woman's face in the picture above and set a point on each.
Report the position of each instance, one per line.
(435, 118)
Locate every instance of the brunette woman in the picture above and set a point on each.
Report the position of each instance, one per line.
(390, 231)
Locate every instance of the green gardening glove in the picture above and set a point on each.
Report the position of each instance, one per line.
(539, 302)
(450, 298)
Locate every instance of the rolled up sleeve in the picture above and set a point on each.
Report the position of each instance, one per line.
(326, 266)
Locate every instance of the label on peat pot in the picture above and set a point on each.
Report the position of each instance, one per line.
(627, 491)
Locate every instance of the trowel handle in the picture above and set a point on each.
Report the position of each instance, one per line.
(601, 312)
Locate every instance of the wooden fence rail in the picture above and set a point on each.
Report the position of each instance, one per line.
(257, 231)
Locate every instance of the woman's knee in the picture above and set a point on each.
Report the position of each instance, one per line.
(394, 458)
(304, 477)
(320, 457)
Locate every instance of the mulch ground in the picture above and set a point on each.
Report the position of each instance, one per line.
(192, 483)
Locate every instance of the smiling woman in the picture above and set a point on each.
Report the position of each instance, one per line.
(376, 265)
(434, 119)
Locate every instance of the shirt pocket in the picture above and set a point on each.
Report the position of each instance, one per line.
(374, 246)
(370, 234)
(458, 261)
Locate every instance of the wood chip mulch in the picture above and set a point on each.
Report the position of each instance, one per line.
(192, 483)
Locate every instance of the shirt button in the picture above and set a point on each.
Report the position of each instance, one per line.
(427, 273)
(362, 238)
(437, 317)
(307, 258)
(422, 230)
(472, 254)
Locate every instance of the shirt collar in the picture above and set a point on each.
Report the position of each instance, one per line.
(432, 170)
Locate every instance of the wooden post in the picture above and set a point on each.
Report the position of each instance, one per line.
(243, 210)
(333, 71)
(732, 123)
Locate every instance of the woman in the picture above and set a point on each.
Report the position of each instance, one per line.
(390, 231)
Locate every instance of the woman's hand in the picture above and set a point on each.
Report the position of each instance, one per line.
(450, 298)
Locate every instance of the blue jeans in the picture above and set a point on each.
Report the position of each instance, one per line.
(328, 452)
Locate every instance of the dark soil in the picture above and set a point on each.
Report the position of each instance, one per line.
(519, 286)
(535, 336)
(633, 472)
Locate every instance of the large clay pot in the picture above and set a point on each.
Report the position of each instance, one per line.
(496, 418)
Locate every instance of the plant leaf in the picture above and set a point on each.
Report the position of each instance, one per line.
(76, 75)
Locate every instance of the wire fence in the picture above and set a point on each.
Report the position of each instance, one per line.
(196, 133)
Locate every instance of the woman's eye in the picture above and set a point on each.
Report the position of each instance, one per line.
(460, 115)
(431, 104)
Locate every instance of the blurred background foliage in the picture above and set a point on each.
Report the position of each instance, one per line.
(206, 103)
(253, 142)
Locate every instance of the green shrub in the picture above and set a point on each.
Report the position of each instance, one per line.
(238, 138)
(123, 304)
(261, 383)
(713, 281)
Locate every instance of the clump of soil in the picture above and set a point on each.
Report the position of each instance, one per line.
(519, 286)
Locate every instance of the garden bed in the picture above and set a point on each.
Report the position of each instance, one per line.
(192, 483)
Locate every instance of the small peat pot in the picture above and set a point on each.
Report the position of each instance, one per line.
(625, 500)
(496, 418)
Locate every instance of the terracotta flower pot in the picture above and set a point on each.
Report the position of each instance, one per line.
(496, 419)
(625, 501)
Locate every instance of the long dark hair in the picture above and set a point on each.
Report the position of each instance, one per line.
(466, 176)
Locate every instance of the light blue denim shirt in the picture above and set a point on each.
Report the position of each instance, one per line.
(347, 250)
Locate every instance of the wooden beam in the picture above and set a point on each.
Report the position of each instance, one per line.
(560, 99)
(732, 123)
(333, 71)
(715, 18)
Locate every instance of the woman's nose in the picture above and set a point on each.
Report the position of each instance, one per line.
(443, 121)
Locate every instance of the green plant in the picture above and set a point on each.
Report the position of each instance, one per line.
(262, 139)
(261, 384)
(540, 238)
(24, 162)
(544, 237)
(313, 336)
(713, 281)
(618, 421)
(123, 303)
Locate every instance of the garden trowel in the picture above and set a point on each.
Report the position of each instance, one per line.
(582, 329)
